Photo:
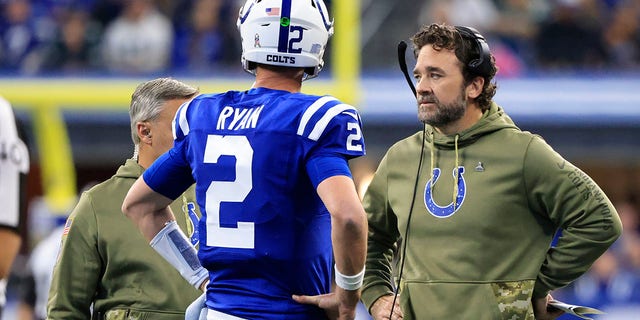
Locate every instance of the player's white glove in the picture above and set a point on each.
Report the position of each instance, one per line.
(174, 247)
(197, 310)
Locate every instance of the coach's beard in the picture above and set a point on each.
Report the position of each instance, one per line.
(432, 112)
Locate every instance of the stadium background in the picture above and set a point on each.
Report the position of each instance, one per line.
(77, 122)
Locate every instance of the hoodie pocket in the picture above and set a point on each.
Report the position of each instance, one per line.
(450, 300)
(473, 301)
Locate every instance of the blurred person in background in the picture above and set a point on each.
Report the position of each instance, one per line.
(513, 33)
(14, 165)
(629, 243)
(571, 38)
(138, 41)
(105, 11)
(106, 269)
(20, 37)
(622, 36)
(481, 14)
(75, 49)
(509, 24)
(609, 285)
(474, 217)
(206, 40)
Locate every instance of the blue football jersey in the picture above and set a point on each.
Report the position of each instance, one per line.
(264, 232)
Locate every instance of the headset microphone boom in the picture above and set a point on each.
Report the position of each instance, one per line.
(402, 48)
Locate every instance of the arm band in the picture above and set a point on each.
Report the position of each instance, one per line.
(3, 290)
(174, 247)
(353, 282)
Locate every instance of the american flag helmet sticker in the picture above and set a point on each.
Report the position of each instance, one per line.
(272, 11)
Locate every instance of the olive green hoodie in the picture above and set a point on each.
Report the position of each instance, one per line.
(484, 255)
(105, 261)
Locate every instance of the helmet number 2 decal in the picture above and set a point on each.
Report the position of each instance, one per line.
(294, 40)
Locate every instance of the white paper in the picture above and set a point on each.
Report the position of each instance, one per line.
(579, 311)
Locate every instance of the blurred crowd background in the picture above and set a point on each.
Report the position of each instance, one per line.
(131, 37)
(117, 37)
(533, 36)
(134, 38)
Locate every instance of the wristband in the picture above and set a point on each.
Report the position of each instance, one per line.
(353, 282)
(3, 289)
(173, 246)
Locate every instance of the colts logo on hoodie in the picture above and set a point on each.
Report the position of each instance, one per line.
(439, 211)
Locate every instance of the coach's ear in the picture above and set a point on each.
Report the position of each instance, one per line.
(143, 129)
(474, 88)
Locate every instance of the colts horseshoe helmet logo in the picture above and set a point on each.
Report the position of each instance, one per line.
(446, 211)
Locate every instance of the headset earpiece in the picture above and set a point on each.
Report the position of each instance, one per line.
(482, 64)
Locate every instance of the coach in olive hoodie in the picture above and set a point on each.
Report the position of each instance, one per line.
(104, 261)
(481, 249)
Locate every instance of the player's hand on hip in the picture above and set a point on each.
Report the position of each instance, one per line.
(543, 311)
(381, 309)
(332, 304)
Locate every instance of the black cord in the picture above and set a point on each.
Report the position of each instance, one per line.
(405, 239)
(402, 47)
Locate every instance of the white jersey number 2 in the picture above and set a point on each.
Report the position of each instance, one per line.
(242, 236)
(353, 140)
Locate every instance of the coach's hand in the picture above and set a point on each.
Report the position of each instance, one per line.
(381, 309)
(543, 311)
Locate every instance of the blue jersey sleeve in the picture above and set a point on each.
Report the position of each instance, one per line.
(180, 126)
(320, 168)
(167, 176)
(338, 132)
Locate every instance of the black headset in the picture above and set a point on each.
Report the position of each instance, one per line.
(482, 64)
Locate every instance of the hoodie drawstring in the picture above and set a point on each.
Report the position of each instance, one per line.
(433, 147)
(455, 175)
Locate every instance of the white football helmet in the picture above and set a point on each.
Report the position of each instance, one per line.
(291, 33)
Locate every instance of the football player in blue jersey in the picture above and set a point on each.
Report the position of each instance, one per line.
(280, 212)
